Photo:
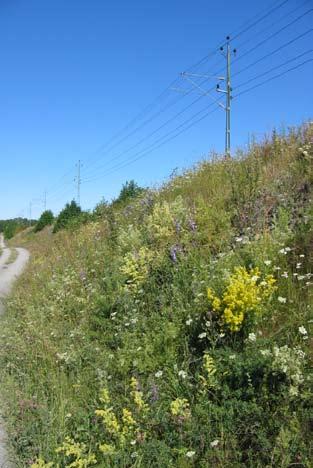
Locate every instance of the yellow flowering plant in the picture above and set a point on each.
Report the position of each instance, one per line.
(243, 297)
(78, 453)
(180, 409)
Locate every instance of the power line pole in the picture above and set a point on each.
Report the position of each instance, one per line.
(228, 92)
(78, 180)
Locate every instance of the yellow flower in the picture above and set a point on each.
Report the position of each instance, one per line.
(70, 448)
(109, 420)
(107, 449)
(127, 418)
(40, 463)
(180, 407)
(138, 395)
(243, 295)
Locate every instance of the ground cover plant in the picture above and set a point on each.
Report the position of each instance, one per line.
(173, 330)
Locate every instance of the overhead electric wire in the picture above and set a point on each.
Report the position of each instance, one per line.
(163, 94)
(188, 69)
(272, 35)
(260, 19)
(167, 134)
(268, 27)
(122, 153)
(195, 101)
(131, 161)
(273, 68)
(273, 78)
(269, 54)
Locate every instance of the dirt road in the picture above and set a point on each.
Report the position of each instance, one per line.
(8, 273)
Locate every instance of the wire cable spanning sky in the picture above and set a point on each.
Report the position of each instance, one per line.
(101, 82)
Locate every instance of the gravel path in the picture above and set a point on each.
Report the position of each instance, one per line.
(8, 274)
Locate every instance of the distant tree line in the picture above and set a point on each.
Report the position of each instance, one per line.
(71, 216)
(11, 227)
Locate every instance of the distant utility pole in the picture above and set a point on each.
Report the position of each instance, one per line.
(78, 180)
(227, 92)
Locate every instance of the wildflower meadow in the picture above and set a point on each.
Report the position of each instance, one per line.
(172, 329)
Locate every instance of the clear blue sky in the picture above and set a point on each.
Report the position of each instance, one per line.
(74, 72)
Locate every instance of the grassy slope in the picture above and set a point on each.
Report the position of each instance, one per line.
(126, 297)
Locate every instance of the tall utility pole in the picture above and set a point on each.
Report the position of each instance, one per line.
(78, 181)
(228, 92)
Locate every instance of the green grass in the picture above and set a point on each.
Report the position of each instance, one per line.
(121, 305)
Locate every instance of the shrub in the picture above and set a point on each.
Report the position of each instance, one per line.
(45, 220)
(129, 190)
(68, 214)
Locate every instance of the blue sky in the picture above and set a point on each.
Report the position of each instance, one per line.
(74, 73)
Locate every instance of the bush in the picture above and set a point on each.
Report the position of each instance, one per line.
(45, 220)
(71, 211)
(129, 190)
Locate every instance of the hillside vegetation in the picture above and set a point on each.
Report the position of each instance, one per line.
(174, 328)
(11, 227)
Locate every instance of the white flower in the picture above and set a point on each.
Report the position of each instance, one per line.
(202, 335)
(282, 300)
(302, 330)
(221, 335)
(189, 321)
(267, 262)
(182, 374)
(190, 454)
(301, 255)
(158, 374)
(298, 265)
(285, 274)
(255, 278)
(252, 337)
(239, 239)
(214, 443)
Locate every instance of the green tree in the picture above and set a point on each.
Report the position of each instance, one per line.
(45, 220)
(67, 215)
(129, 190)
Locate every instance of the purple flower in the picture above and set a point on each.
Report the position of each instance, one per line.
(173, 252)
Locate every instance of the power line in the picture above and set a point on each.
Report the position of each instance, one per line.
(152, 146)
(274, 34)
(274, 68)
(271, 11)
(273, 78)
(164, 93)
(268, 27)
(286, 44)
(131, 161)
(260, 19)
